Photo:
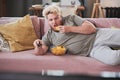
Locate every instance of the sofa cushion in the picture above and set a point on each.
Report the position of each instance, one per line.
(36, 25)
(26, 61)
(42, 25)
(20, 34)
(47, 27)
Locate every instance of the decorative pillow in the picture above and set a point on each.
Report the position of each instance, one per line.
(4, 46)
(19, 34)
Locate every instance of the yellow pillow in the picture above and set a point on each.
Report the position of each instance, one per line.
(19, 34)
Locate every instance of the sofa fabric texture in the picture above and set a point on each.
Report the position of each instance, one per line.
(105, 22)
(26, 61)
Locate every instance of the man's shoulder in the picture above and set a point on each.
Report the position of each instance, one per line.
(71, 16)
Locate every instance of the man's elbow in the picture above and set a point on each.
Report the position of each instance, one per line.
(90, 27)
(91, 30)
(94, 30)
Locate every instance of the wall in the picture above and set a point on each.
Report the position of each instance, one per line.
(19, 8)
(110, 3)
(111, 13)
(68, 2)
(88, 7)
(2, 8)
(46, 1)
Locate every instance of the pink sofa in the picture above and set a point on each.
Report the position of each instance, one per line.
(26, 61)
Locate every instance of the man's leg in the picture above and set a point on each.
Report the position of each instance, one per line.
(105, 39)
(106, 55)
(108, 37)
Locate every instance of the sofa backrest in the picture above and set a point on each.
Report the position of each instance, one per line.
(105, 22)
(41, 25)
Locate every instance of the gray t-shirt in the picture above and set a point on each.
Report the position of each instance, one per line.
(75, 43)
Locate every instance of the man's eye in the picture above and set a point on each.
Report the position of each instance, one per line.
(56, 18)
(50, 19)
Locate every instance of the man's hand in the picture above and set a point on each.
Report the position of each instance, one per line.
(86, 28)
(37, 43)
(40, 48)
(64, 29)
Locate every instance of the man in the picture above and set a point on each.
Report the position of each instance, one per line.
(79, 37)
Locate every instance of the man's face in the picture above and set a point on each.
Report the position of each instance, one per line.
(54, 20)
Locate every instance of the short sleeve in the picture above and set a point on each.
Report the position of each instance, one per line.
(73, 20)
(47, 39)
(78, 20)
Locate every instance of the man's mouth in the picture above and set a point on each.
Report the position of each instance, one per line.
(57, 29)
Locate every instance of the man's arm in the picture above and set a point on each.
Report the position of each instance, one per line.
(86, 28)
(40, 47)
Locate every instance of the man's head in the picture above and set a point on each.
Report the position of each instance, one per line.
(53, 15)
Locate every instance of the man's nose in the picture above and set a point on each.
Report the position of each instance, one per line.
(54, 21)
